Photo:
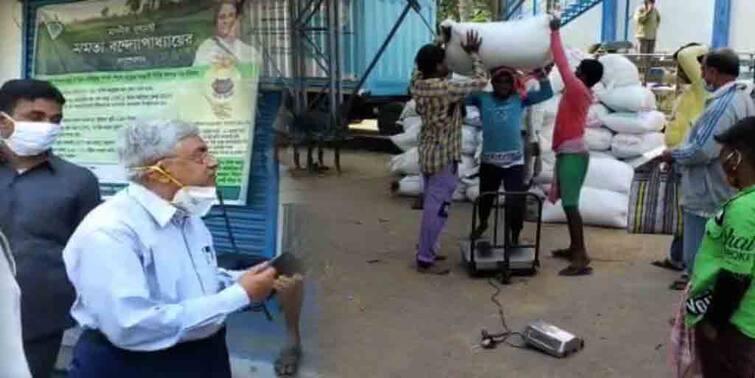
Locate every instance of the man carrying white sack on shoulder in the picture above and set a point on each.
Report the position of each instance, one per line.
(439, 103)
(149, 294)
(572, 157)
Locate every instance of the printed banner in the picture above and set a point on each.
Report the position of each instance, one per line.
(119, 61)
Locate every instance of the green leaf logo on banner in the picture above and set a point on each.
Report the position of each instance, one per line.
(55, 28)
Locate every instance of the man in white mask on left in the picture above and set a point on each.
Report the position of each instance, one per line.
(149, 294)
(42, 199)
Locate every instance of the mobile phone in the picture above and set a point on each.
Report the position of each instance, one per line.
(285, 263)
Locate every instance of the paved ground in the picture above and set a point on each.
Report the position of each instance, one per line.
(382, 319)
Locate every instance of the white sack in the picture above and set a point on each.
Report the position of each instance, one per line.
(598, 208)
(618, 71)
(609, 174)
(598, 139)
(595, 115)
(625, 146)
(460, 194)
(410, 110)
(539, 192)
(478, 138)
(473, 192)
(411, 186)
(409, 123)
(478, 153)
(646, 157)
(634, 98)
(469, 140)
(546, 172)
(550, 110)
(521, 44)
(601, 155)
(473, 117)
(406, 140)
(635, 123)
(468, 181)
(467, 166)
(406, 163)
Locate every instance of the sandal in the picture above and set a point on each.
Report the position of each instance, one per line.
(666, 264)
(287, 363)
(573, 271)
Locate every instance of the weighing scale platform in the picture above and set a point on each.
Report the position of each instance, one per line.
(521, 259)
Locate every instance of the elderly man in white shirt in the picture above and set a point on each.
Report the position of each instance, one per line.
(149, 294)
(12, 358)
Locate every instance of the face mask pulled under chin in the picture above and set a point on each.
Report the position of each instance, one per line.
(31, 138)
(195, 200)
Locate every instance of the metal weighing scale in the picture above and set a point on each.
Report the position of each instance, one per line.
(491, 255)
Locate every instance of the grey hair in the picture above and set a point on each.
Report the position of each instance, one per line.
(144, 143)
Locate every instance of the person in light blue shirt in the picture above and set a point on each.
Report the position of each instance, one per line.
(149, 294)
(502, 158)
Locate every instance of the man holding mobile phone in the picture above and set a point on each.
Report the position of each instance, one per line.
(149, 295)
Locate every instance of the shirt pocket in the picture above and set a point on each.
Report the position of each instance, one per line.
(167, 271)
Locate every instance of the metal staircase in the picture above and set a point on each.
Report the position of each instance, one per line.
(575, 8)
(570, 9)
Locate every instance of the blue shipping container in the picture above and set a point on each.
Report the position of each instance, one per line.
(364, 25)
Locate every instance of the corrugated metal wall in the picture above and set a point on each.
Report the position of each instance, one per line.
(364, 26)
(269, 30)
(255, 225)
(376, 18)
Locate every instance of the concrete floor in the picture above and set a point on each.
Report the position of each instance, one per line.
(382, 319)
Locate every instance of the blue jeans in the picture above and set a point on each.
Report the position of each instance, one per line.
(676, 252)
(694, 230)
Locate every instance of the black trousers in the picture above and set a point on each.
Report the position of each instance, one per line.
(42, 354)
(731, 355)
(491, 177)
(95, 357)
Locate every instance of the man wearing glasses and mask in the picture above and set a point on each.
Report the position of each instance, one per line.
(150, 296)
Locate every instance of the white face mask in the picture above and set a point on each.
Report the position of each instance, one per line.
(196, 200)
(31, 138)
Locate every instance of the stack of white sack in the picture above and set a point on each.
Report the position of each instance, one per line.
(407, 163)
(632, 116)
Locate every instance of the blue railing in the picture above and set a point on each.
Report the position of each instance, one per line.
(571, 9)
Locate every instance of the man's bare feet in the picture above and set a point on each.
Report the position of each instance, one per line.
(579, 266)
(287, 363)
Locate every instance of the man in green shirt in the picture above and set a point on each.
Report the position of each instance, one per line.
(647, 20)
(721, 301)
